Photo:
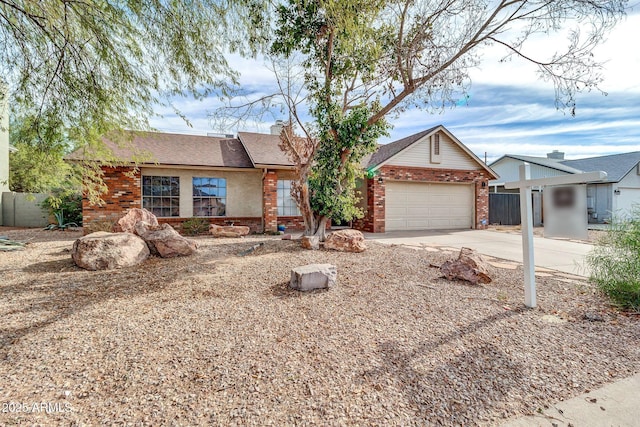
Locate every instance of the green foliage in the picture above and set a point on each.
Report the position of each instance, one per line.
(195, 226)
(82, 69)
(38, 165)
(615, 261)
(65, 206)
(344, 140)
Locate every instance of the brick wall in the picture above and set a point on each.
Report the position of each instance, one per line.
(374, 220)
(254, 223)
(124, 192)
(270, 201)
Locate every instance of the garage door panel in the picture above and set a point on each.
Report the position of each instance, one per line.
(423, 206)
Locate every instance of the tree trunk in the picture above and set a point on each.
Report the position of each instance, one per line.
(321, 230)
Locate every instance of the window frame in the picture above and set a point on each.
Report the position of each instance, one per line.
(201, 198)
(154, 184)
(283, 193)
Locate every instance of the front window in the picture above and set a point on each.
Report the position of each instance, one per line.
(161, 195)
(286, 204)
(209, 196)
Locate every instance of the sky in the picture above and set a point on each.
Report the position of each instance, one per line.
(510, 111)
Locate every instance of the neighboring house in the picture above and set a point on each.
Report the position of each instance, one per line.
(426, 181)
(617, 194)
(5, 149)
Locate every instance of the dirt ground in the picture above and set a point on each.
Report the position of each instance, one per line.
(219, 339)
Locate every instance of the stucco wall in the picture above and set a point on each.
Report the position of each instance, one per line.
(629, 188)
(4, 152)
(244, 189)
(23, 210)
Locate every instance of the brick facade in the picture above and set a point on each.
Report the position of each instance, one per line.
(374, 220)
(125, 192)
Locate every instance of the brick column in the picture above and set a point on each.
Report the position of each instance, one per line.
(270, 201)
(373, 220)
(482, 203)
(123, 192)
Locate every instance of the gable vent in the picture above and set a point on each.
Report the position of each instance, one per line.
(436, 149)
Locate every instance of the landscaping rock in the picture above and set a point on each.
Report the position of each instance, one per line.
(469, 266)
(346, 241)
(310, 242)
(313, 276)
(127, 223)
(106, 251)
(228, 230)
(165, 241)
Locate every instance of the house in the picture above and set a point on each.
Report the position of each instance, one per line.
(5, 149)
(429, 180)
(616, 195)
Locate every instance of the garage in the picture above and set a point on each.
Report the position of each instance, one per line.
(428, 206)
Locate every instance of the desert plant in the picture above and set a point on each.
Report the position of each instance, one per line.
(195, 226)
(61, 223)
(66, 203)
(615, 261)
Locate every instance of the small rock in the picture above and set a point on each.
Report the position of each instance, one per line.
(346, 241)
(313, 276)
(286, 237)
(310, 242)
(127, 223)
(593, 317)
(106, 251)
(228, 230)
(469, 266)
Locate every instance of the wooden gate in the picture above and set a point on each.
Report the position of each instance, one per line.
(504, 208)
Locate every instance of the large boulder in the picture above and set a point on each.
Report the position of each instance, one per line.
(106, 251)
(313, 276)
(346, 241)
(163, 240)
(228, 230)
(127, 223)
(469, 266)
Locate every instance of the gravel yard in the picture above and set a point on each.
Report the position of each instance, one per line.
(218, 339)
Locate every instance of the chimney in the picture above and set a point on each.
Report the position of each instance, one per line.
(555, 155)
(276, 129)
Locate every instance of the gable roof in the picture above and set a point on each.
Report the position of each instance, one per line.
(541, 161)
(264, 149)
(617, 166)
(178, 150)
(387, 151)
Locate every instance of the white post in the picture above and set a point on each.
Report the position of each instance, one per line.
(527, 238)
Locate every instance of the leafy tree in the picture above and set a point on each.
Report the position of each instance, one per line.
(86, 68)
(364, 60)
(38, 165)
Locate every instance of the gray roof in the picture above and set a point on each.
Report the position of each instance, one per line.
(386, 151)
(176, 149)
(264, 149)
(541, 161)
(617, 166)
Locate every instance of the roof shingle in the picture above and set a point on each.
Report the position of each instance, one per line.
(179, 150)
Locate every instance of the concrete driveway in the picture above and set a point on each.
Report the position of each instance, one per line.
(554, 254)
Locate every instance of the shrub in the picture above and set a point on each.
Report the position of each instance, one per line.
(615, 261)
(195, 226)
(67, 205)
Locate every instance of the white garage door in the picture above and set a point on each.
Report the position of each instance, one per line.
(426, 206)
